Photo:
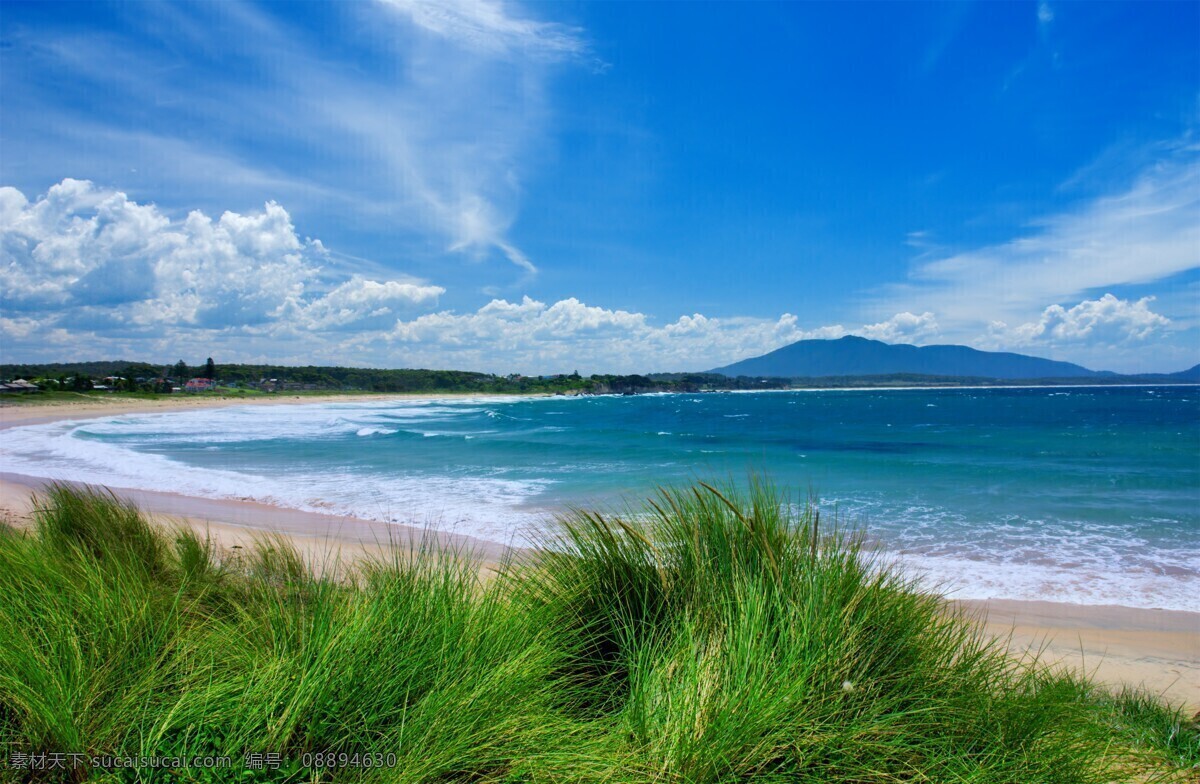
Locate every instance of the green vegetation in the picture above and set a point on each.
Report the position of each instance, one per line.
(719, 639)
(53, 397)
(143, 377)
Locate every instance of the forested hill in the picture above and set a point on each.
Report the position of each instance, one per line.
(855, 356)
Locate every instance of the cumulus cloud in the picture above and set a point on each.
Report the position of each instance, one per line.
(1107, 321)
(49, 250)
(535, 336)
(87, 256)
(501, 325)
(902, 328)
(359, 297)
(19, 328)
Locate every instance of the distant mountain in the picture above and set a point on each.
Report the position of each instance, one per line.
(855, 356)
(1191, 374)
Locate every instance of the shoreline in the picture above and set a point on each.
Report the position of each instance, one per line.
(238, 523)
(1156, 649)
(20, 414)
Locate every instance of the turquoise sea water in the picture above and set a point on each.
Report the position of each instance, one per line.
(1071, 494)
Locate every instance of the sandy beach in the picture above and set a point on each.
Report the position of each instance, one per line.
(1156, 649)
(16, 413)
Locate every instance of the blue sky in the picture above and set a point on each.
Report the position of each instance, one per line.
(544, 187)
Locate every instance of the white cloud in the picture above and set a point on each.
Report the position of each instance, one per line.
(451, 137)
(831, 332)
(19, 328)
(87, 255)
(902, 328)
(501, 325)
(534, 336)
(50, 250)
(487, 27)
(921, 240)
(359, 297)
(238, 270)
(1107, 321)
(1045, 14)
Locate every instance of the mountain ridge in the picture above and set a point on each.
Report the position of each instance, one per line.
(857, 356)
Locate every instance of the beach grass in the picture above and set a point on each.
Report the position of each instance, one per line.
(712, 636)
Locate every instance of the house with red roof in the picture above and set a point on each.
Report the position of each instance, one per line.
(200, 385)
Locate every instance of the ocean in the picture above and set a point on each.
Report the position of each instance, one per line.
(1085, 494)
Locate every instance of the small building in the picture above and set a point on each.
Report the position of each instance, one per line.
(200, 385)
(19, 387)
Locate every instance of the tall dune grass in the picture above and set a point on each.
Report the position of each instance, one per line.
(722, 637)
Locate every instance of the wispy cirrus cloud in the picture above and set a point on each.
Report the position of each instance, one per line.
(423, 135)
(486, 26)
(1144, 232)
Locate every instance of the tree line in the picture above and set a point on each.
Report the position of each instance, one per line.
(149, 377)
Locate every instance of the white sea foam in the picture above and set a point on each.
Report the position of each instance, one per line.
(489, 507)
(1011, 558)
(994, 578)
(264, 423)
(375, 431)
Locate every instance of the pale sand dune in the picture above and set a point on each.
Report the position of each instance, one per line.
(1156, 649)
